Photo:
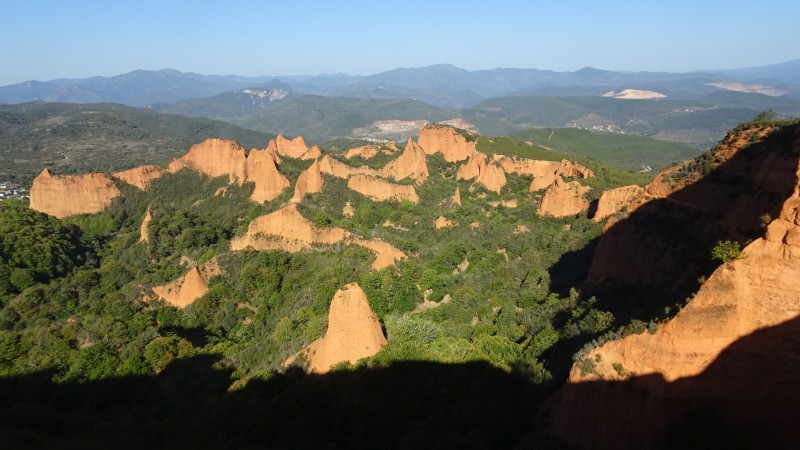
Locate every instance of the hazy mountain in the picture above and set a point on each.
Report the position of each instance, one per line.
(442, 85)
(315, 117)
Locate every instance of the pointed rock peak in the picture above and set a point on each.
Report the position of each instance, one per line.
(354, 332)
(309, 182)
(456, 198)
(144, 236)
(45, 173)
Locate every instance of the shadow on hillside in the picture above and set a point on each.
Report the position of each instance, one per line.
(653, 259)
(188, 405)
(747, 398)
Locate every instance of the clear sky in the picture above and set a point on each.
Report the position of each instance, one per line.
(44, 40)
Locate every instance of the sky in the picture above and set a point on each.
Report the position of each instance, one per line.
(44, 40)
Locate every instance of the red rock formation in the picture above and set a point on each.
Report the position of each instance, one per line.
(563, 199)
(354, 332)
(615, 200)
(288, 230)
(215, 158)
(143, 234)
(309, 182)
(381, 190)
(456, 198)
(364, 152)
(218, 157)
(412, 163)
(260, 169)
(673, 371)
(185, 290)
(338, 169)
(443, 222)
(453, 146)
(484, 171)
(69, 195)
(544, 172)
(140, 176)
(295, 148)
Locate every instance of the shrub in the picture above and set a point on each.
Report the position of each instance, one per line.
(726, 251)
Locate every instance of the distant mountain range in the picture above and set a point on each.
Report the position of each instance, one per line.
(441, 85)
(693, 108)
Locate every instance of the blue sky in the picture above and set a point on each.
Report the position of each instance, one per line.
(44, 40)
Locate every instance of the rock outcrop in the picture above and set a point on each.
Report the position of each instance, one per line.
(363, 152)
(219, 157)
(456, 198)
(334, 167)
(382, 190)
(185, 290)
(295, 148)
(215, 158)
(260, 169)
(731, 353)
(144, 236)
(140, 176)
(544, 173)
(484, 171)
(453, 146)
(288, 230)
(735, 346)
(562, 199)
(385, 253)
(68, 195)
(412, 163)
(443, 222)
(309, 182)
(348, 210)
(615, 200)
(354, 332)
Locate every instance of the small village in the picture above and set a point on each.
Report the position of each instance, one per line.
(10, 189)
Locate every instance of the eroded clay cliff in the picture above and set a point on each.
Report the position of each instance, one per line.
(260, 169)
(288, 230)
(354, 332)
(447, 140)
(140, 176)
(562, 199)
(188, 288)
(484, 171)
(382, 190)
(68, 195)
(615, 200)
(295, 148)
(309, 182)
(144, 236)
(412, 163)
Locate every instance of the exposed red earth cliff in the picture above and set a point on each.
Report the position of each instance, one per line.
(382, 190)
(288, 230)
(140, 176)
(452, 145)
(309, 182)
(354, 332)
(615, 200)
(412, 163)
(143, 234)
(219, 157)
(68, 195)
(730, 353)
(484, 171)
(295, 148)
(562, 199)
(185, 290)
